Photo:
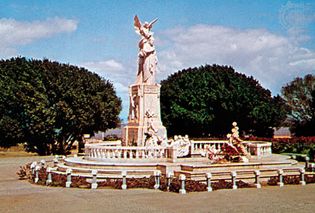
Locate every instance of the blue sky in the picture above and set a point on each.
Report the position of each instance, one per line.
(274, 41)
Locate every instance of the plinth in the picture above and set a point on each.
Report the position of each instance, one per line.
(144, 115)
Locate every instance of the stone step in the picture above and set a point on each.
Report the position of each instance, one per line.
(81, 163)
(236, 166)
(116, 171)
(101, 177)
(241, 174)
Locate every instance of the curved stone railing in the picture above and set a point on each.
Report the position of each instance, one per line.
(100, 152)
(110, 152)
(199, 147)
(259, 148)
(256, 148)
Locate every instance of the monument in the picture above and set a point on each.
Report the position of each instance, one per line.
(144, 119)
(146, 152)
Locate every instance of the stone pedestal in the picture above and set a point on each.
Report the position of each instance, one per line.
(144, 115)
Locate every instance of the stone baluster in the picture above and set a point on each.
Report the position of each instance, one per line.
(68, 183)
(94, 179)
(258, 151)
(302, 177)
(37, 168)
(49, 178)
(270, 150)
(280, 176)
(208, 177)
(261, 151)
(137, 153)
(125, 154)
(192, 146)
(182, 179)
(307, 161)
(124, 180)
(257, 179)
(233, 179)
(169, 179)
(130, 154)
(157, 177)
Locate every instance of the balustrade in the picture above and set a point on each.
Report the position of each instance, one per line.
(257, 148)
(93, 151)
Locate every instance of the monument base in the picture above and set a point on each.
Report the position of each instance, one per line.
(134, 134)
(144, 118)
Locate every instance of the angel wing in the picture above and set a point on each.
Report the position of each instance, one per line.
(151, 23)
(137, 25)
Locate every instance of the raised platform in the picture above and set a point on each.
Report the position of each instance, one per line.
(192, 168)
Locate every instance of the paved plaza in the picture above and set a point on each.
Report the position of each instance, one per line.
(21, 196)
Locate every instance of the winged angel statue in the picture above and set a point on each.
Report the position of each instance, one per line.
(147, 58)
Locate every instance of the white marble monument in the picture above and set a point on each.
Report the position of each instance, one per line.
(144, 120)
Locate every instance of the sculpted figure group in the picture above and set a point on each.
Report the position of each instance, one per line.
(147, 59)
(234, 150)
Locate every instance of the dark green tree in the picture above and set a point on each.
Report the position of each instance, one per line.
(205, 101)
(24, 106)
(299, 96)
(49, 105)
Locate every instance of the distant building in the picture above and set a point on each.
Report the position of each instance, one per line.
(282, 132)
(117, 132)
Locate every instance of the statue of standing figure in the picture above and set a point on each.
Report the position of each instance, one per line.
(147, 58)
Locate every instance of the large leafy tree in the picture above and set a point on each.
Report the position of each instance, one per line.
(49, 105)
(300, 98)
(206, 100)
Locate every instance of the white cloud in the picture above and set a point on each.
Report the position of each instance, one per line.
(272, 59)
(104, 66)
(14, 33)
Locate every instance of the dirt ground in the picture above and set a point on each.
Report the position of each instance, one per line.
(21, 196)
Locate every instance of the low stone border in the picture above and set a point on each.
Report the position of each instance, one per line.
(41, 173)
